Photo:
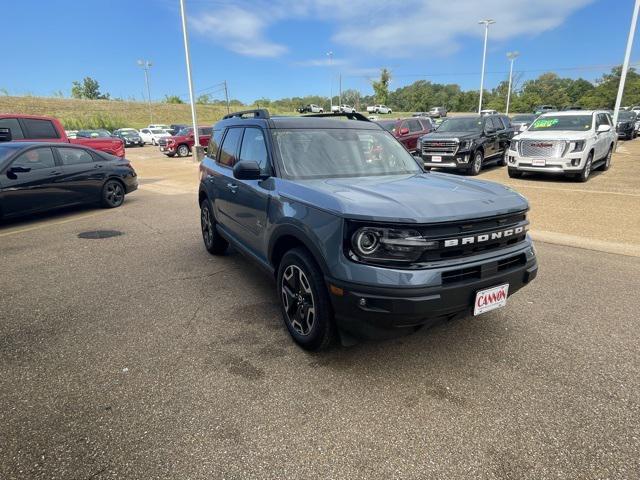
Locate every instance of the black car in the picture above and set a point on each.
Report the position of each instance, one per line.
(36, 176)
(174, 128)
(467, 143)
(129, 136)
(626, 126)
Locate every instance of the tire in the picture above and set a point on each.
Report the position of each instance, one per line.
(153, 142)
(513, 173)
(304, 301)
(476, 164)
(170, 155)
(503, 161)
(183, 151)
(583, 176)
(213, 241)
(113, 193)
(607, 162)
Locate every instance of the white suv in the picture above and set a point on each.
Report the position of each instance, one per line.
(571, 143)
(383, 109)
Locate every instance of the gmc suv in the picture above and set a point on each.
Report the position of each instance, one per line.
(467, 143)
(361, 241)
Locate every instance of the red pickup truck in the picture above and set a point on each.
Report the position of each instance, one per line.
(182, 142)
(32, 128)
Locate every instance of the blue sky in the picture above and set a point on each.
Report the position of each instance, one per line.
(277, 48)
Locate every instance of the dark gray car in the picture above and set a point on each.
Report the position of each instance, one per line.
(361, 241)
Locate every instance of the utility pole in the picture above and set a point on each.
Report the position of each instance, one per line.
(197, 149)
(226, 96)
(330, 55)
(146, 65)
(486, 24)
(625, 65)
(340, 87)
(511, 56)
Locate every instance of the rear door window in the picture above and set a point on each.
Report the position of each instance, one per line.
(229, 148)
(13, 125)
(214, 144)
(37, 128)
(414, 126)
(74, 156)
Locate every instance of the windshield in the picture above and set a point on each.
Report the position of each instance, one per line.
(468, 124)
(335, 153)
(626, 116)
(158, 132)
(185, 131)
(523, 118)
(93, 134)
(573, 123)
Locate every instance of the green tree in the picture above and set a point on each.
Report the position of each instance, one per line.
(203, 99)
(381, 86)
(172, 99)
(88, 89)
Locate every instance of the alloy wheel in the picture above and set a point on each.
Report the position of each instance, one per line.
(207, 226)
(183, 150)
(114, 194)
(297, 299)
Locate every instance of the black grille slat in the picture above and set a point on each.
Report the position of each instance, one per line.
(440, 146)
(461, 275)
(512, 262)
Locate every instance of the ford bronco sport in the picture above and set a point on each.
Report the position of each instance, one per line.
(361, 241)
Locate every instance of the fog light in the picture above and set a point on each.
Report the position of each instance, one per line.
(575, 162)
(512, 159)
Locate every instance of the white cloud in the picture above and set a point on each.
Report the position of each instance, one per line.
(322, 62)
(412, 28)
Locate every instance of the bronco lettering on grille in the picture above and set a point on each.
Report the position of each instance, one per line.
(485, 237)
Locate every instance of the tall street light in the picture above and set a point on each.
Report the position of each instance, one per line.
(146, 65)
(198, 151)
(511, 56)
(486, 24)
(625, 65)
(330, 55)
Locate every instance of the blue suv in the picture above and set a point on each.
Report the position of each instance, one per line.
(362, 242)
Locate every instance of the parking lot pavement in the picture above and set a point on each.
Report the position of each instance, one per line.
(141, 356)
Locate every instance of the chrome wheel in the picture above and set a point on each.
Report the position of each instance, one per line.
(183, 151)
(298, 301)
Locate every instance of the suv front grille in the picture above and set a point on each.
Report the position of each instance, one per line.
(439, 146)
(542, 148)
(162, 142)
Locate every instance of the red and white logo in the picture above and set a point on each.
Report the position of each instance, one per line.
(490, 299)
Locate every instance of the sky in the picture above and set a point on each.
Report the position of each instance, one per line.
(278, 48)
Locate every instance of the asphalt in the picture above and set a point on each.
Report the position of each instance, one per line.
(142, 356)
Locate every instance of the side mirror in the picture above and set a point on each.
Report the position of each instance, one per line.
(11, 172)
(490, 130)
(404, 131)
(5, 135)
(603, 128)
(247, 170)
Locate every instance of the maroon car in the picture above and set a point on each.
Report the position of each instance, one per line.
(408, 130)
(182, 142)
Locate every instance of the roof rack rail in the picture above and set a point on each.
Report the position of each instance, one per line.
(349, 115)
(257, 113)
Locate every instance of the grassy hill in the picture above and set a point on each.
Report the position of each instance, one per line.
(109, 114)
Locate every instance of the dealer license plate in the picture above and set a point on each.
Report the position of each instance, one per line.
(491, 298)
(436, 158)
(538, 162)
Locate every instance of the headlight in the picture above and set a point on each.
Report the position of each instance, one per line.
(466, 144)
(576, 146)
(513, 145)
(380, 245)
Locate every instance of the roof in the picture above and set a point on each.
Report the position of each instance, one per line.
(278, 122)
(17, 144)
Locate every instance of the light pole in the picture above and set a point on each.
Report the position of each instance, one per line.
(625, 65)
(197, 149)
(486, 24)
(511, 56)
(146, 65)
(330, 55)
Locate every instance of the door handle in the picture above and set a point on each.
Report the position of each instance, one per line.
(233, 187)
(55, 172)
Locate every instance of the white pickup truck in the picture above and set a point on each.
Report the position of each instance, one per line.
(344, 108)
(381, 109)
(571, 143)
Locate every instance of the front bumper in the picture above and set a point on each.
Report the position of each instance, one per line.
(459, 160)
(570, 163)
(366, 311)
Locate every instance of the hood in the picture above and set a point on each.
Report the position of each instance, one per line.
(554, 135)
(421, 198)
(443, 135)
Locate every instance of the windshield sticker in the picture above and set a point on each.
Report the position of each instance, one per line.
(545, 123)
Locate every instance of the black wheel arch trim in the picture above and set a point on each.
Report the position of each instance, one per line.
(297, 233)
